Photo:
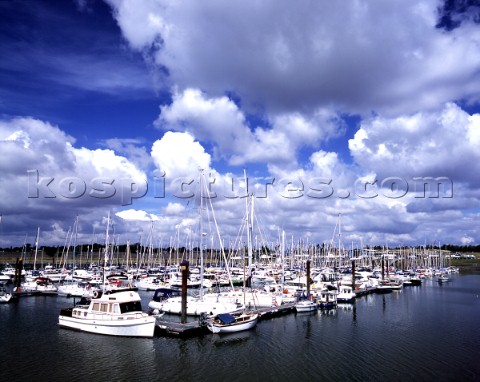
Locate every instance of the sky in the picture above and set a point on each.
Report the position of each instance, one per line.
(350, 123)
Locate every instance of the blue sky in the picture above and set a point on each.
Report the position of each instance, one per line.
(334, 109)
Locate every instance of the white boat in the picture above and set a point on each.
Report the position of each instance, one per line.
(40, 285)
(232, 323)
(53, 274)
(76, 289)
(443, 279)
(148, 283)
(4, 278)
(160, 295)
(305, 306)
(345, 294)
(196, 306)
(4, 295)
(10, 271)
(252, 299)
(114, 314)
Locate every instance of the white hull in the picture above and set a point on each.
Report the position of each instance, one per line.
(75, 290)
(113, 314)
(346, 297)
(143, 326)
(148, 285)
(194, 307)
(5, 297)
(4, 278)
(243, 322)
(305, 306)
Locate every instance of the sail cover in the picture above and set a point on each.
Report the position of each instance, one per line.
(226, 318)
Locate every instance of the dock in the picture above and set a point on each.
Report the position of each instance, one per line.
(195, 328)
(365, 291)
(178, 329)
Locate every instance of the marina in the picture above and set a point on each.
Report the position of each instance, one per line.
(425, 332)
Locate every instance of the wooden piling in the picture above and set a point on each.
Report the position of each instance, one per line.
(184, 267)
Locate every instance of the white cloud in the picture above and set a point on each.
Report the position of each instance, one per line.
(220, 121)
(47, 179)
(136, 215)
(214, 119)
(174, 209)
(441, 143)
(179, 155)
(386, 56)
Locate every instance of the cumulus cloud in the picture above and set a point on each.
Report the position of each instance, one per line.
(220, 121)
(179, 155)
(387, 56)
(136, 215)
(441, 143)
(44, 172)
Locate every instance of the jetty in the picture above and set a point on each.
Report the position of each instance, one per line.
(198, 327)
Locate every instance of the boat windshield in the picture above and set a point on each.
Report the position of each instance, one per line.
(132, 306)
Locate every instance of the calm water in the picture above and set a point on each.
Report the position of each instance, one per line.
(422, 333)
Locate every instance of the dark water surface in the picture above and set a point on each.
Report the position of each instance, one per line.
(427, 333)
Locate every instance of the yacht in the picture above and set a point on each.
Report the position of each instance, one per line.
(39, 285)
(305, 306)
(114, 314)
(5, 296)
(232, 323)
(345, 294)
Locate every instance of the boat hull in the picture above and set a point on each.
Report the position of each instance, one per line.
(136, 327)
(237, 326)
(305, 306)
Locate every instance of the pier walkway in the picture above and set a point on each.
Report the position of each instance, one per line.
(194, 328)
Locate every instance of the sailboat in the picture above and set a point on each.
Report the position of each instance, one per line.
(236, 322)
(198, 305)
(232, 322)
(5, 296)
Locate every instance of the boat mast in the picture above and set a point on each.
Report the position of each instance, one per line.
(36, 249)
(105, 258)
(249, 214)
(282, 253)
(201, 236)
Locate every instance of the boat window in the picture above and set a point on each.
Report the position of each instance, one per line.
(104, 307)
(96, 306)
(132, 306)
(115, 308)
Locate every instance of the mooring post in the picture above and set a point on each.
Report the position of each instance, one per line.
(184, 268)
(308, 279)
(17, 282)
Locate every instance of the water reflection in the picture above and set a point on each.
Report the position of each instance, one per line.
(232, 339)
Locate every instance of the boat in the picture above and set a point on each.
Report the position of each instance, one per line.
(4, 278)
(40, 285)
(5, 296)
(196, 306)
(326, 300)
(159, 296)
(345, 294)
(148, 283)
(383, 287)
(113, 314)
(76, 289)
(305, 306)
(443, 279)
(232, 322)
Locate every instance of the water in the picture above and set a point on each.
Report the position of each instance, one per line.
(422, 333)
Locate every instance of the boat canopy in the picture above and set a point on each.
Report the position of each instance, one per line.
(226, 318)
